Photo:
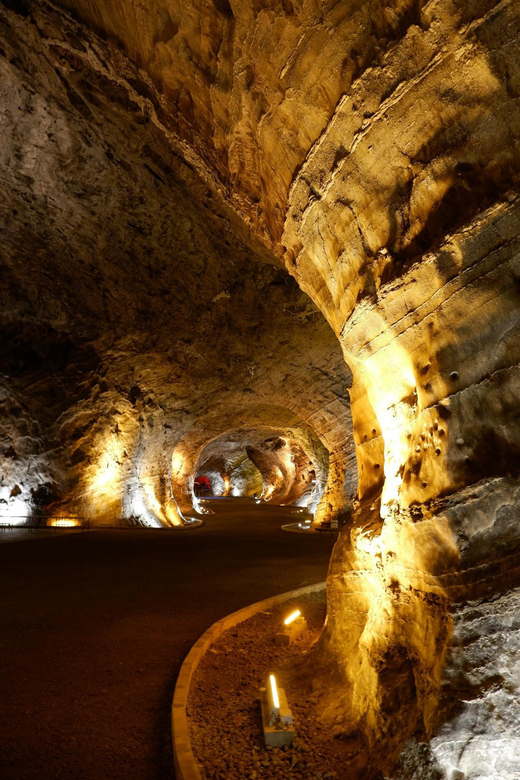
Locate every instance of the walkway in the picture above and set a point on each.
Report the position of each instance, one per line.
(94, 627)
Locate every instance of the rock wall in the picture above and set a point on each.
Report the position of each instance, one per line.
(131, 302)
(281, 467)
(373, 149)
(210, 436)
(408, 239)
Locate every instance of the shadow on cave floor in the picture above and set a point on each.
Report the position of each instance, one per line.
(94, 627)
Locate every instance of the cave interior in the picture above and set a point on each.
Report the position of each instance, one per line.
(277, 243)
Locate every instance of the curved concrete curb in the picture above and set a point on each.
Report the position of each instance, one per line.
(294, 528)
(194, 522)
(186, 767)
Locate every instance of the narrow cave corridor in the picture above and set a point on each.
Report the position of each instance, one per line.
(260, 266)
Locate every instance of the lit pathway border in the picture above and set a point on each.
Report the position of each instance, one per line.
(186, 767)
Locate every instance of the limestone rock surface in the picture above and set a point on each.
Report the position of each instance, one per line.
(162, 161)
(131, 306)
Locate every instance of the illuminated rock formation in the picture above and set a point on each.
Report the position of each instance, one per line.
(373, 149)
(280, 468)
(317, 435)
(130, 309)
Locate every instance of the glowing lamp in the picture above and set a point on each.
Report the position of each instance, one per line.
(273, 698)
(292, 617)
(293, 625)
(64, 523)
(276, 716)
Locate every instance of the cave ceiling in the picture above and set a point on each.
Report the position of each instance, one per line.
(134, 302)
(177, 178)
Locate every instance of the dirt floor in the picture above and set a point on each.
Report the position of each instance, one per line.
(94, 627)
(224, 703)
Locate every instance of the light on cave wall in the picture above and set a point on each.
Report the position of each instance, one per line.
(144, 514)
(137, 500)
(370, 544)
(168, 513)
(106, 475)
(227, 485)
(268, 492)
(150, 499)
(392, 391)
(200, 508)
(177, 464)
(15, 511)
(142, 503)
(104, 491)
(64, 522)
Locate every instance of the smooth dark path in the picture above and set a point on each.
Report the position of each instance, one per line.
(94, 627)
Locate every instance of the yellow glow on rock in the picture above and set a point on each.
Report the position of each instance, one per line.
(167, 514)
(108, 470)
(227, 485)
(268, 492)
(392, 391)
(177, 463)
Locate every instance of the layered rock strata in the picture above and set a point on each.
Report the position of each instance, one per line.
(130, 307)
(373, 148)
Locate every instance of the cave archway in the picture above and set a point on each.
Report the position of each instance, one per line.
(164, 174)
(287, 466)
(334, 468)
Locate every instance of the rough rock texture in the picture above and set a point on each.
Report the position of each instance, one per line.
(130, 310)
(277, 468)
(374, 149)
(332, 422)
(418, 222)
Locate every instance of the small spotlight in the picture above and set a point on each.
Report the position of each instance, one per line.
(292, 616)
(64, 523)
(277, 718)
(293, 625)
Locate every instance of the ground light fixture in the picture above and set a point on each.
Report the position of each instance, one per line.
(64, 522)
(292, 617)
(273, 698)
(293, 625)
(277, 719)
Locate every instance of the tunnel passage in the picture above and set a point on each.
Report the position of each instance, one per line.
(371, 149)
(276, 466)
(131, 304)
(329, 496)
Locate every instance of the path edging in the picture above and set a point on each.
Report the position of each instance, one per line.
(292, 528)
(186, 767)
